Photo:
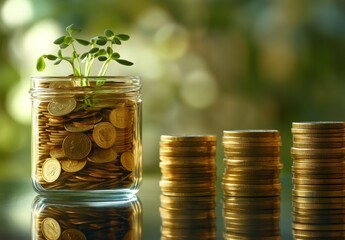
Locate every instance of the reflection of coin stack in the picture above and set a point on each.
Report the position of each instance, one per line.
(318, 178)
(188, 168)
(251, 185)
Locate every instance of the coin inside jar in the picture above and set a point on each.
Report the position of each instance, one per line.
(70, 165)
(127, 160)
(77, 145)
(61, 106)
(51, 229)
(120, 117)
(104, 134)
(51, 170)
(100, 155)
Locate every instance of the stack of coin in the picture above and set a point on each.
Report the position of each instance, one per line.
(251, 184)
(188, 167)
(86, 144)
(318, 178)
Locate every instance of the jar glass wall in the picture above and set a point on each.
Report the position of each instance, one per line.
(86, 135)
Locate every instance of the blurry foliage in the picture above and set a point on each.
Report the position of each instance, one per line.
(268, 63)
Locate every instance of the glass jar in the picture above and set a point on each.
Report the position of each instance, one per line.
(86, 135)
(85, 218)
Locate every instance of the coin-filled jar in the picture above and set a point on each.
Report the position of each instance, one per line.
(86, 135)
(83, 218)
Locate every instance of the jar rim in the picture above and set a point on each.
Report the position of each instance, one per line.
(114, 77)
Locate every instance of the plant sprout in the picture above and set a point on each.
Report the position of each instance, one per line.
(100, 47)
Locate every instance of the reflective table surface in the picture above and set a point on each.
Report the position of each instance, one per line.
(23, 214)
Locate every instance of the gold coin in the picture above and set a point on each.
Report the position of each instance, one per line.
(77, 146)
(251, 133)
(127, 160)
(318, 125)
(86, 121)
(51, 229)
(251, 140)
(57, 153)
(72, 234)
(327, 235)
(70, 127)
(318, 145)
(100, 155)
(69, 165)
(188, 149)
(322, 181)
(188, 138)
(61, 106)
(318, 227)
(315, 194)
(121, 117)
(104, 134)
(305, 139)
(317, 131)
(187, 144)
(51, 170)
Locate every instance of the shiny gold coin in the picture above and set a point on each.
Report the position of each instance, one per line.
(70, 127)
(311, 206)
(251, 140)
(323, 227)
(317, 194)
(51, 229)
(99, 155)
(188, 138)
(320, 200)
(104, 134)
(251, 133)
(263, 159)
(187, 160)
(318, 145)
(69, 165)
(127, 160)
(72, 234)
(201, 153)
(318, 125)
(320, 219)
(76, 146)
(322, 181)
(324, 235)
(316, 171)
(188, 149)
(305, 139)
(57, 153)
(317, 131)
(51, 170)
(318, 176)
(187, 144)
(318, 160)
(61, 106)
(121, 117)
(244, 163)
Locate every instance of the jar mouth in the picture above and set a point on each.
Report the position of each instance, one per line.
(79, 84)
(85, 77)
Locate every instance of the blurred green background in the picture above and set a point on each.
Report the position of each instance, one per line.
(206, 66)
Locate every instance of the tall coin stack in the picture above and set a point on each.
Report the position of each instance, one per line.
(188, 166)
(318, 178)
(251, 184)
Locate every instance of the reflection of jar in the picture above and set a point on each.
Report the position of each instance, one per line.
(54, 218)
(86, 135)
